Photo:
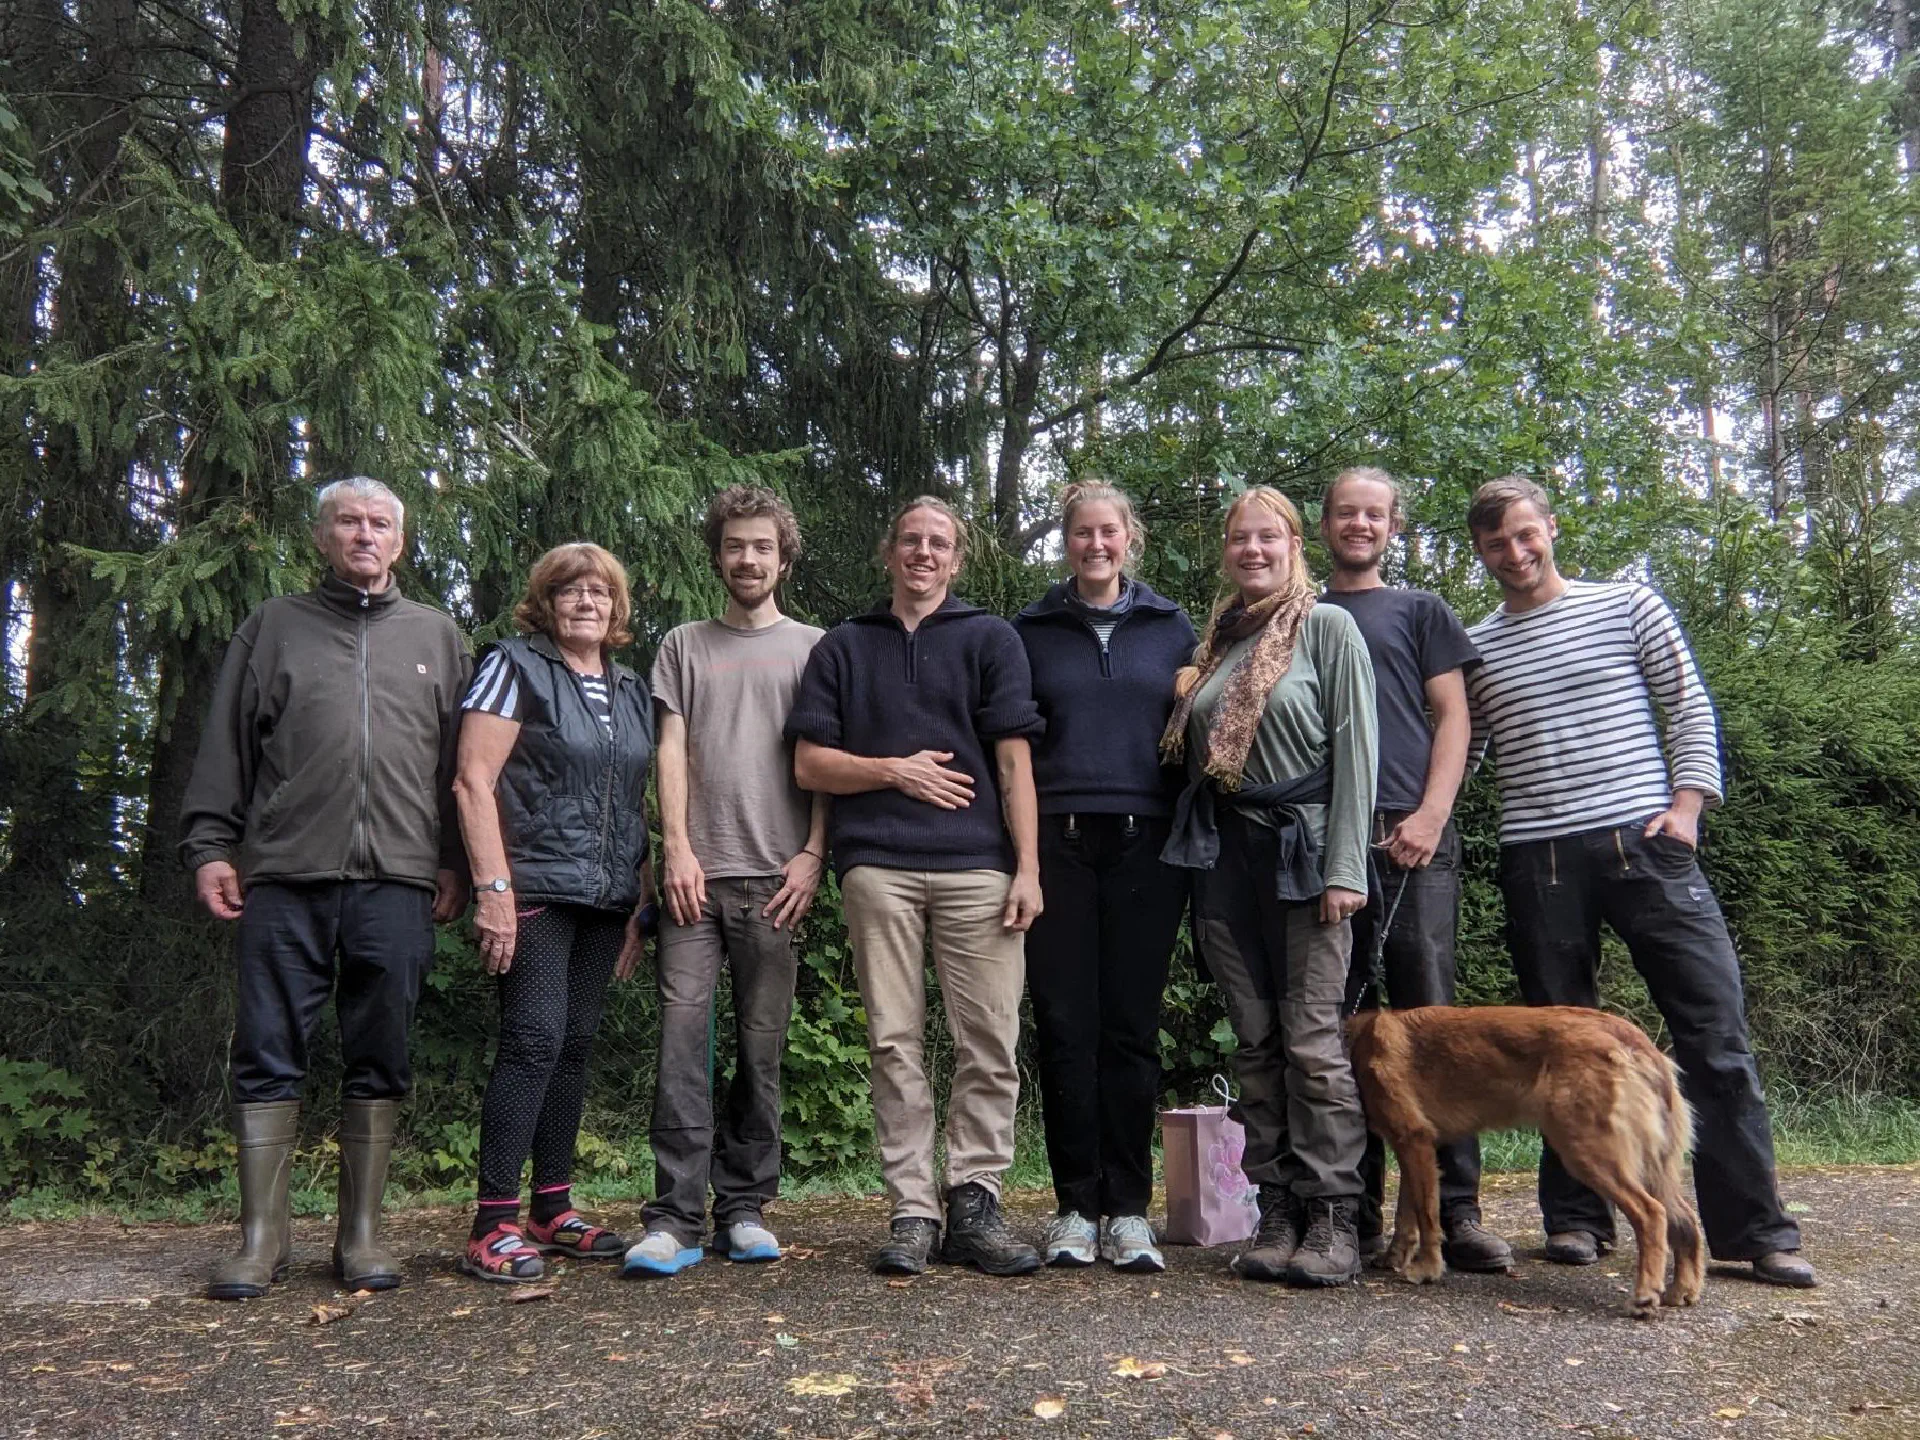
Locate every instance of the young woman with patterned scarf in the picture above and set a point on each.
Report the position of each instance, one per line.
(1276, 720)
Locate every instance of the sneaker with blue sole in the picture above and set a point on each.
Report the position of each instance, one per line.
(746, 1241)
(659, 1253)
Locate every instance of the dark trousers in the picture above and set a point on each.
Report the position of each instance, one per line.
(1284, 975)
(1096, 969)
(1425, 908)
(550, 1003)
(1654, 896)
(739, 1158)
(374, 938)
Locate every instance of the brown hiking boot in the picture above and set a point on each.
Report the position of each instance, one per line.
(1784, 1267)
(1329, 1252)
(1470, 1246)
(1272, 1246)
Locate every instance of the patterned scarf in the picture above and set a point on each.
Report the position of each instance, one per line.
(1277, 619)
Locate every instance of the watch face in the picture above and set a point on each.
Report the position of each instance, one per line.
(499, 886)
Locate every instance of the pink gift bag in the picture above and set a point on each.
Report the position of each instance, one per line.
(1209, 1199)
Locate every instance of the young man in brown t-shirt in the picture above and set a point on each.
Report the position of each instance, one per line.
(745, 850)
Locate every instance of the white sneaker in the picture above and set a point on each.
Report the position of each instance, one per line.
(1069, 1240)
(1127, 1241)
(659, 1253)
(747, 1240)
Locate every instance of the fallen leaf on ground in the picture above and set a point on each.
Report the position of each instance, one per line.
(1728, 1412)
(1573, 1360)
(1049, 1407)
(327, 1314)
(821, 1383)
(785, 1341)
(1239, 1357)
(913, 1392)
(1132, 1369)
(900, 1284)
(531, 1292)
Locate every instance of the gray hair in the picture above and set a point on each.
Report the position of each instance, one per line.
(358, 487)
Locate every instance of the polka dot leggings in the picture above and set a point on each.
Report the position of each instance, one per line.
(550, 1003)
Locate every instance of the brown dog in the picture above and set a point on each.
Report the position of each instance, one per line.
(1592, 1084)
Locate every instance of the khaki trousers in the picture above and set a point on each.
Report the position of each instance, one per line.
(982, 970)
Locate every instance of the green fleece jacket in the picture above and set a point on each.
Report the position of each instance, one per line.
(328, 752)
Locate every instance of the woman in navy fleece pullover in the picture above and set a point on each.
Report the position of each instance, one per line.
(1103, 649)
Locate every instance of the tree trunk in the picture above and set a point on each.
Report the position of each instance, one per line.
(61, 822)
(263, 174)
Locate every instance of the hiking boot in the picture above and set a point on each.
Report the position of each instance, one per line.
(910, 1244)
(1784, 1267)
(978, 1235)
(264, 1134)
(746, 1241)
(1126, 1243)
(1329, 1252)
(1070, 1239)
(659, 1252)
(1470, 1246)
(366, 1140)
(1575, 1247)
(1271, 1248)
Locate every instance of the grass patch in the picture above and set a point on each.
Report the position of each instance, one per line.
(1809, 1129)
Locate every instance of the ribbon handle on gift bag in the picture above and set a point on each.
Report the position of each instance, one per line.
(1224, 1090)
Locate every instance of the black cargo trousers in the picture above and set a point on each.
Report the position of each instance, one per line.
(1652, 893)
(1425, 908)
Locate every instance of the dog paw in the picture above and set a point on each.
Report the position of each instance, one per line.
(1674, 1297)
(1645, 1307)
(1426, 1270)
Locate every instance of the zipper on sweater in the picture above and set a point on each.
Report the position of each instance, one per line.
(362, 843)
(913, 640)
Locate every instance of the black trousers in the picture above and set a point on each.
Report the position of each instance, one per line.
(550, 1003)
(1096, 968)
(375, 938)
(1654, 896)
(1425, 906)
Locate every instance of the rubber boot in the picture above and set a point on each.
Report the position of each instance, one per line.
(366, 1140)
(264, 1135)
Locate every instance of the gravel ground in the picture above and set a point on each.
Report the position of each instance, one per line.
(103, 1333)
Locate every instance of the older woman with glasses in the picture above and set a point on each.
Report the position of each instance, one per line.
(554, 749)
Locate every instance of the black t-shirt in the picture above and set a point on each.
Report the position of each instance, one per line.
(1412, 635)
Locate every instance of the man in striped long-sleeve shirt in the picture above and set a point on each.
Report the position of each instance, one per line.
(1599, 823)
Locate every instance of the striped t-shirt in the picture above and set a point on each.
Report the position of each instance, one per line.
(1566, 697)
(496, 690)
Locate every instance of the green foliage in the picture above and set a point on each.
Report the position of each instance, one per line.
(828, 1124)
(44, 1122)
(561, 273)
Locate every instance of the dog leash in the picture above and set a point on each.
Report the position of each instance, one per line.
(1377, 971)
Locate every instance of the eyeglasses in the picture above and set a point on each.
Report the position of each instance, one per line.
(598, 594)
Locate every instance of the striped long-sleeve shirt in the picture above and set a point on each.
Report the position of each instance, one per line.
(1566, 698)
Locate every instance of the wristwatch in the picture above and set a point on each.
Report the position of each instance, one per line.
(499, 885)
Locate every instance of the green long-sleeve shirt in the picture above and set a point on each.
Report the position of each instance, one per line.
(1321, 713)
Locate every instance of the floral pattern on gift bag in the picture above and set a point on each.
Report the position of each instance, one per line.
(1209, 1199)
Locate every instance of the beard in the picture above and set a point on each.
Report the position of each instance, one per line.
(750, 589)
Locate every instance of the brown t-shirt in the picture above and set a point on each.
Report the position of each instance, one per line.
(745, 815)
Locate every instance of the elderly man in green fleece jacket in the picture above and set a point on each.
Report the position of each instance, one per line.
(320, 817)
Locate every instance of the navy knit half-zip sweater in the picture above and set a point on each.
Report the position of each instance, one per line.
(958, 682)
(1104, 705)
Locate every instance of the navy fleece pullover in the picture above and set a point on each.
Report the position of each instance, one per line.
(1104, 707)
(958, 682)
